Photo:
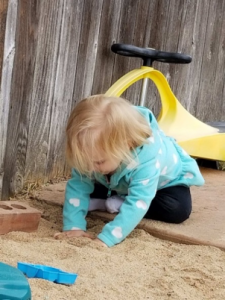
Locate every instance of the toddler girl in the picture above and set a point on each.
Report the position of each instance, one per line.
(122, 162)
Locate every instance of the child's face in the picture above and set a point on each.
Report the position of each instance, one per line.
(103, 164)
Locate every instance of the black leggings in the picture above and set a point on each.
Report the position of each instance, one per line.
(171, 205)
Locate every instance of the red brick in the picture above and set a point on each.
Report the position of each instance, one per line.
(17, 216)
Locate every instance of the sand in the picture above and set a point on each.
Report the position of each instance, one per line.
(141, 267)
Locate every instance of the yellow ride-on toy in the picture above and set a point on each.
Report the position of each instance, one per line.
(200, 140)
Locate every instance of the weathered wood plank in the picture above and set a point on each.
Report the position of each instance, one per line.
(20, 90)
(3, 13)
(141, 22)
(31, 93)
(172, 22)
(44, 62)
(218, 91)
(62, 97)
(182, 14)
(6, 78)
(219, 87)
(157, 31)
(88, 42)
(182, 73)
(125, 35)
(209, 66)
(197, 52)
(148, 25)
(108, 32)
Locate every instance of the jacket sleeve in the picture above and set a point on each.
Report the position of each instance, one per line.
(141, 191)
(77, 198)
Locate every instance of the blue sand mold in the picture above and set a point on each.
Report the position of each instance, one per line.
(47, 273)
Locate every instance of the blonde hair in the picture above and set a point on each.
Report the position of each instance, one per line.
(109, 124)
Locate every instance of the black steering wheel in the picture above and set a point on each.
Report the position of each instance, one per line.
(150, 55)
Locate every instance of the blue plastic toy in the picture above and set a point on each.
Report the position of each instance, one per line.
(13, 284)
(47, 273)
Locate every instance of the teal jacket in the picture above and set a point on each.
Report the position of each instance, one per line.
(158, 164)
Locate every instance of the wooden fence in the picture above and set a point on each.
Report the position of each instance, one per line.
(58, 51)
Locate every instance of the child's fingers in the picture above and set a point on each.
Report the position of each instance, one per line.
(72, 234)
(57, 234)
(60, 235)
(88, 235)
(100, 243)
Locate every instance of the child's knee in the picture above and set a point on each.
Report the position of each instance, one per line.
(180, 214)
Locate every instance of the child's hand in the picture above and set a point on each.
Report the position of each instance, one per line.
(72, 234)
(77, 233)
(99, 242)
